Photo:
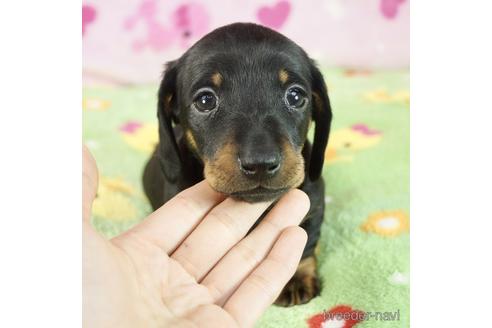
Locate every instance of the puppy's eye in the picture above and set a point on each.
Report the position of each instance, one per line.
(295, 97)
(205, 101)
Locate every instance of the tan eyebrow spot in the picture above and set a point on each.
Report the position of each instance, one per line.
(283, 76)
(217, 79)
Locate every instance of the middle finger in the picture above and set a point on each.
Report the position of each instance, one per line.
(221, 229)
(228, 274)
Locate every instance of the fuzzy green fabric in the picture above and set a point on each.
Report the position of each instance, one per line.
(363, 254)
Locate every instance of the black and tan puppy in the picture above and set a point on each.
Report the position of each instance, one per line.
(235, 109)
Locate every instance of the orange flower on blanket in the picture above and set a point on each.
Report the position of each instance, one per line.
(340, 316)
(95, 104)
(383, 96)
(387, 223)
(357, 72)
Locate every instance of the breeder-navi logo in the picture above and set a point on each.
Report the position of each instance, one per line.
(363, 316)
(344, 316)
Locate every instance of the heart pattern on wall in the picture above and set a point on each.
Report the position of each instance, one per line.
(389, 8)
(88, 16)
(274, 16)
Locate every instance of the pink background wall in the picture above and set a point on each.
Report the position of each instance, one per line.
(130, 40)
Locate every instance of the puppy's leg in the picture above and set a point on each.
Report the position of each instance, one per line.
(303, 286)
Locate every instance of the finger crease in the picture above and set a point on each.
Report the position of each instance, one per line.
(229, 223)
(247, 253)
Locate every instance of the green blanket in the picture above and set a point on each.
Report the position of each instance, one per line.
(364, 247)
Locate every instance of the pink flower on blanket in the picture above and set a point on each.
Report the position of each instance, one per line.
(340, 316)
(140, 136)
(130, 127)
(365, 130)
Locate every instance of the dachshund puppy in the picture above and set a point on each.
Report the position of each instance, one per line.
(235, 109)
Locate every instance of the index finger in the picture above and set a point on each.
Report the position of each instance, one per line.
(170, 224)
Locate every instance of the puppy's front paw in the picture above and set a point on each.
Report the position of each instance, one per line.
(303, 286)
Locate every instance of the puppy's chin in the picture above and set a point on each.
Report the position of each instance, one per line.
(259, 194)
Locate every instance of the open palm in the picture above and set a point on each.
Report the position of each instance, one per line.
(189, 263)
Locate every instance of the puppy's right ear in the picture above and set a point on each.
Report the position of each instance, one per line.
(168, 152)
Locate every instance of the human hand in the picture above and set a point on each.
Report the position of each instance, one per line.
(188, 264)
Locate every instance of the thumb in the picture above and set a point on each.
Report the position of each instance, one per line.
(90, 182)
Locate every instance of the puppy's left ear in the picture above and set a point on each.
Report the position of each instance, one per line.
(167, 105)
(322, 117)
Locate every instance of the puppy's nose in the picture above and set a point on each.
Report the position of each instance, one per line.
(265, 166)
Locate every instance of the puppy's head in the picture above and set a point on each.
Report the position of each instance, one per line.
(245, 96)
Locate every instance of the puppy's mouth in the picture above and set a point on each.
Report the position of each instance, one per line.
(227, 175)
(259, 194)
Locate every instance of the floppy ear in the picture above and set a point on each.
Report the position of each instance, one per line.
(322, 117)
(168, 152)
